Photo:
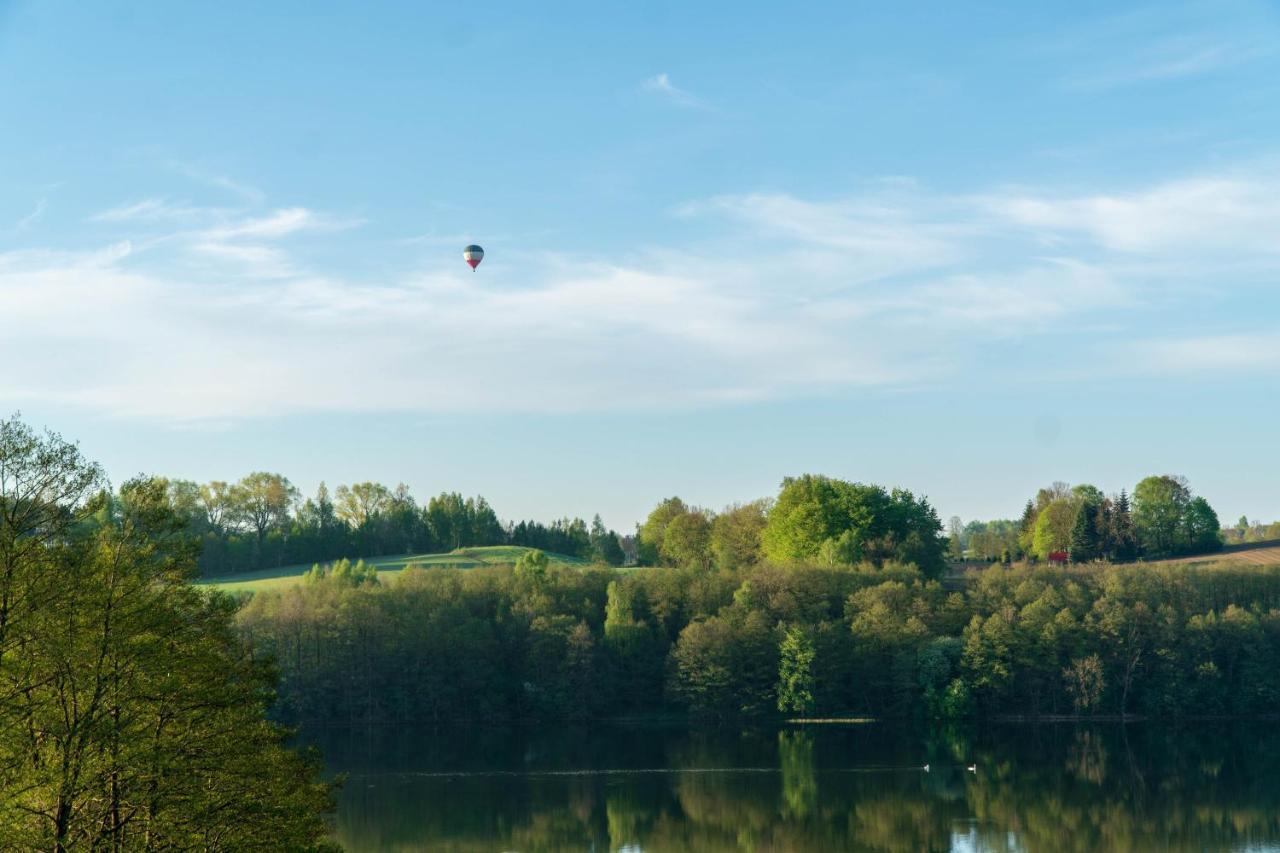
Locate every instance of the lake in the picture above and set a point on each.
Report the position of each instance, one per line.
(830, 787)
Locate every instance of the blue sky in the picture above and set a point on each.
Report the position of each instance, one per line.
(968, 249)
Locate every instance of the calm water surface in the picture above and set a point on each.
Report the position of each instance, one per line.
(1047, 787)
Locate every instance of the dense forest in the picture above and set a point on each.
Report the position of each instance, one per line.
(538, 641)
(131, 716)
(828, 598)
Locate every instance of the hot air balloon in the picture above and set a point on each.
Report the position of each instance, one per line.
(473, 255)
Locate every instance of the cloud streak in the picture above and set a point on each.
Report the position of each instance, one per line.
(661, 86)
(1167, 42)
(156, 210)
(36, 214)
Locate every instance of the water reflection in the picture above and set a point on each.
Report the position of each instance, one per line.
(1035, 787)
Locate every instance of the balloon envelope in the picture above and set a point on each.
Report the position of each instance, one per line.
(473, 255)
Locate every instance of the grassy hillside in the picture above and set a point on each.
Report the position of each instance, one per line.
(388, 567)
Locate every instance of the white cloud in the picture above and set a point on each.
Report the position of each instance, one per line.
(1247, 353)
(660, 84)
(778, 296)
(280, 223)
(265, 262)
(1196, 215)
(611, 338)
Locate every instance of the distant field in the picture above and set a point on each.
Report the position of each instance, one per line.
(388, 567)
(1249, 554)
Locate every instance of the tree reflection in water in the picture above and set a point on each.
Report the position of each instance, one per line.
(1052, 787)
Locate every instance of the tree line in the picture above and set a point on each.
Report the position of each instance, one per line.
(132, 716)
(813, 520)
(1247, 532)
(1163, 518)
(262, 521)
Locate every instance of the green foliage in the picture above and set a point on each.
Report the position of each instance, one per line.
(133, 716)
(1165, 520)
(261, 502)
(532, 566)
(1247, 531)
(1053, 526)
(1200, 528)
(343, 573)
(676, 534)
(1085, 681)
(686, 542)
(735, 535)
(944, 693)
(991, 540)
(1122, 539)
(559, 642)
(258, 523)
(1168, 520)
(795, 671)
(1086, 541)
(650, 536)
(866, 523)
(726, 665)
(605, 547)
(1159, 506)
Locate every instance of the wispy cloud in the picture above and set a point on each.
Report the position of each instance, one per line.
(870, 237)
(246, 242)
(36, 214)
(1169, 41)
(661, 85)
(243, 191)
(280, 223)
(157, 210)
(1168, 62)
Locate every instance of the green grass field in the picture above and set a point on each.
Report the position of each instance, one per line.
(388, 567)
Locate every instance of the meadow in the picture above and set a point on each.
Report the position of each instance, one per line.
(388, 567)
